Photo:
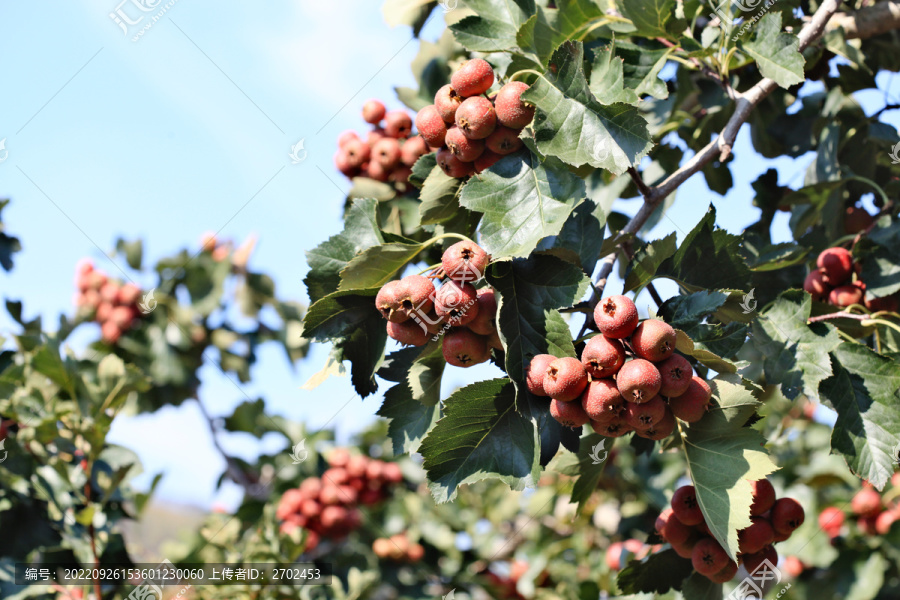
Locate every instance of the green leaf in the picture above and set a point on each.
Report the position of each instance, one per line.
(377, 265)
(581, 234)
(422, 169)
(708, 341)
(864, 392)
(495, 25)
(364, 348)
(410, 420)
(776, 256)
(330, 257)
(523, 201)
(8, 245)
(795, 355)
(708, 258)
(868, 578)
(642, 67)
(776, 53)
(723, 457)
(649, 16)
(572, 125)
(407, 12)
(698, 587)
(549, 27)
(424, 377)
(339, 314)
(586, 466)
(480, 436)
(133, 251)
(250, 417)
(658, 573)
(439, 197)
(608, 78)
(685, 345)
(879, 254)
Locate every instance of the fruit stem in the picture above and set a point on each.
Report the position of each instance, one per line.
(893, 326)
(877, 187)
(445, 236)
(429, 268)
(532, 71)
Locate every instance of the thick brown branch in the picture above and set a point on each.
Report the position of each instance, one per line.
(868, 22)
(719, 147)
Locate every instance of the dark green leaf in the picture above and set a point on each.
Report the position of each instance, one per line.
(658, 573)
(377, 265)
(777, 53)
(340, 313)
(410, 419)
(439, 197)
(495, 25)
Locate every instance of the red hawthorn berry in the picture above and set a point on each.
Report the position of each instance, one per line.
(613, 428)
(653, 340)
(568, 414)
(836, 265)
(465, 261)
(726, 574)
(815, 284)
(486, 160)
(463, 348)
(602, 356)
(831, 520)
(616, 317)
(638, 380)
(408, 333)
(565, 379)
(397, 124)
(708, 557)
(661, 429)
(452, 166)
(534, 374)
(692, 404)
(602, 401)
(753, 561)
(845, 295)
(866, 502)
(473, 77)
(484, 322)
(675, 531)
(476, 118)
(413, 149)
(446, 101)
(503, 140)
(457, 303)
(686, 507)
(512, 112)
(463, 148)
(644, 416)
(373, 112)
(787, 515)
(675, 373)
(757, 536)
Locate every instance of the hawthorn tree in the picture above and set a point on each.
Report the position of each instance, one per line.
(629, 101)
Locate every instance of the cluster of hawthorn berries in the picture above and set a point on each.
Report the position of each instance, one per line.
(644, 394)
(112, 304)
(833, 281)
(774, 520)
(328, 506)
(469, 129)
(873, 516)
(398, 549)
(416, 311)
(387, 154)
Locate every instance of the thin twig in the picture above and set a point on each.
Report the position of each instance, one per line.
(839, 315)
(235, 472)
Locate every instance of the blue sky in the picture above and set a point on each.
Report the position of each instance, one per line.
(188, 130)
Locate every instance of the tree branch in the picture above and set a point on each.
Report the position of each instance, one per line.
(719, 147)
(868, 22)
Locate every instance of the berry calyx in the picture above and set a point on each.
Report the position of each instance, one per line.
(708, 557)
(675, 373)
(836, 265)
(617, 427)
(565, 379)
(373, 111)
(446, 101)
(463, 348)
(638, 380)
(457, 303)
(653, 340)
(476, 117)
(602, 356)
(693, 403)
(534, 373)
(511, 110)
(431, 126)
(616, 317)
(464, 261)
(463, 148)
(602, 401)
(686, 507)
(787, 515)
(569, 414)
(662, 429)
(474, 77)
(357, 153)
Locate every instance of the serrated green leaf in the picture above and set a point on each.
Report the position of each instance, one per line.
(572, 125)
(364, 348)
(581, 234)
(424, 377)
(698, 587)
(377, 265)
(723, 457)
(608, 78)
(658, 573)
(868, 578)
(338, 314)
(410, 420)
(586, 466)
(328, 259)
(865, 392)
(777, 53)
(879, 254)
(422, 169)
(544, 31)
(439, 197)
(776, 256)
(642, 67)
(494, 26)
(650, 17)
(686, 345)
(523, 201)
(480, 436)
(795, 355)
